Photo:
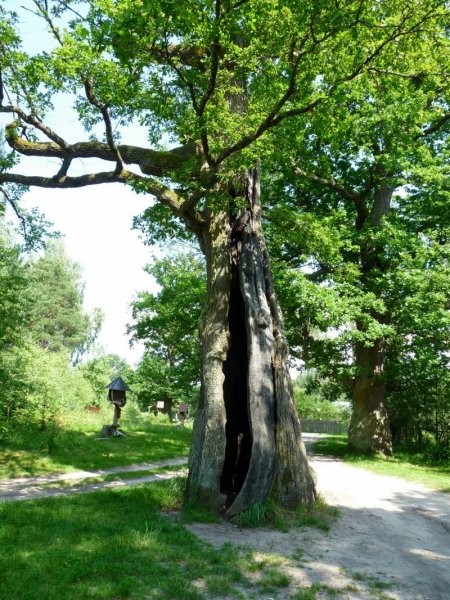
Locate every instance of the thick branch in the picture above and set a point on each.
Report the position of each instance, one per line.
(185, 209)
(151, 162)
(437, 125)
(62, 182)
(356, 197)
(35, 122)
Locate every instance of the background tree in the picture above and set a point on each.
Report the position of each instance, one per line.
(417, 360)
(317, 399)
(356, 231)
(101, 370)
(168, 323)
(212, 77)
(13, 307)
(56, 317)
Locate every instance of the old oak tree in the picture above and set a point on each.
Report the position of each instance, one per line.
(212, 80)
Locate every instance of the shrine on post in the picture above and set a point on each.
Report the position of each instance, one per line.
(117, 395)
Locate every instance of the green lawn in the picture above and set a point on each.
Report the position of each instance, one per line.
(116, 544)
(76, 446)
(406, 464)
(110, 544)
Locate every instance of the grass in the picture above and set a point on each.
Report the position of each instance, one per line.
(116, 544)
(406, 463)
(76, 446)
(311, 592)
(376, 586)
(317, 514)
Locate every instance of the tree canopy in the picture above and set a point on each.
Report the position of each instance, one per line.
(168, 324)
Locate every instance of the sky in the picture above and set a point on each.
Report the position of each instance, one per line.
(95, 221)
(96, 226)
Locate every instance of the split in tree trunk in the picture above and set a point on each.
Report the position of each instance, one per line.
(247, 442)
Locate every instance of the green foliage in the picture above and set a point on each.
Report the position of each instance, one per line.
(13, 302)
(42, 325)
(101, 370)
(53, 388)
(417, 364)
(361, 238)
(71, 444)
(320, 399)
(167, 322)
(156, 553)
(318, 514)
(56, 319)
(344, 104)
(193, 511)
(256, 516)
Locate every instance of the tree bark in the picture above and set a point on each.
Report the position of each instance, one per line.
(369, 429)
(247, 444)
(369, 425)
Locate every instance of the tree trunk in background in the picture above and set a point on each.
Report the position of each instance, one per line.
(247, 443)
(369, 429)
(369, 426)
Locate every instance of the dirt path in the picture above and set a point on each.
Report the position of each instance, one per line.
(44, 486)
(389, 532)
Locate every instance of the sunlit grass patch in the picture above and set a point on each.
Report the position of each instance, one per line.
(257, 515)
(374, 583)
(76, 446)
(111, 544)
(272, 579)
(316, 514)
(312, 592)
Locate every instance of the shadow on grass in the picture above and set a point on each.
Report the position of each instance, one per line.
(116, 545)
(111, 544)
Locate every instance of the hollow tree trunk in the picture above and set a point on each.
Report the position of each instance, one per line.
(247, 442)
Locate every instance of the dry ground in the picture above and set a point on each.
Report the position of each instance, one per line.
(389, 531)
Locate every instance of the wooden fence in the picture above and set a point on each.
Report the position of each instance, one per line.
(312, 426)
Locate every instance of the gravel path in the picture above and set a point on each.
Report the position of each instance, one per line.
(389, 532)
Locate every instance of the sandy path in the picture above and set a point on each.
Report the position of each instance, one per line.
(391, 530)
(27, 488)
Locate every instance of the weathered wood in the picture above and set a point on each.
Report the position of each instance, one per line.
(247, 442)
(208, 438)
